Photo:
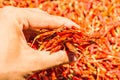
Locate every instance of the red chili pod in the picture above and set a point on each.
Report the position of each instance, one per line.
(50, 42)
(57, 48)
(76, 78)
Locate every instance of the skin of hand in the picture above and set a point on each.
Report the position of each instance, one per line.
(16, 57)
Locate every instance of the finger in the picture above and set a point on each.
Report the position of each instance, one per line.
(12, 76)
(58, 21)
(35, 10)
(37, 60)
(40, 19)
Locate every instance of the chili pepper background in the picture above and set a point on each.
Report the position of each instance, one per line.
(100, 20)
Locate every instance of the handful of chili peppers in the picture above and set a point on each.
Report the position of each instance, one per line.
(71, 40)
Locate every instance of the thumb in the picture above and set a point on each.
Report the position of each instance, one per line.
(33, 60)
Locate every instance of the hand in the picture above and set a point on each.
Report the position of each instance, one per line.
(16, 57)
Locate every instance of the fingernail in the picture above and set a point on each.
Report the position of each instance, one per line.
(72, 57)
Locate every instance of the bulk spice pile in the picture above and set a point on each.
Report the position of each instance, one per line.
(97, 46)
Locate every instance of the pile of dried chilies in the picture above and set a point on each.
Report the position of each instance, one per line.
(97, 47)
